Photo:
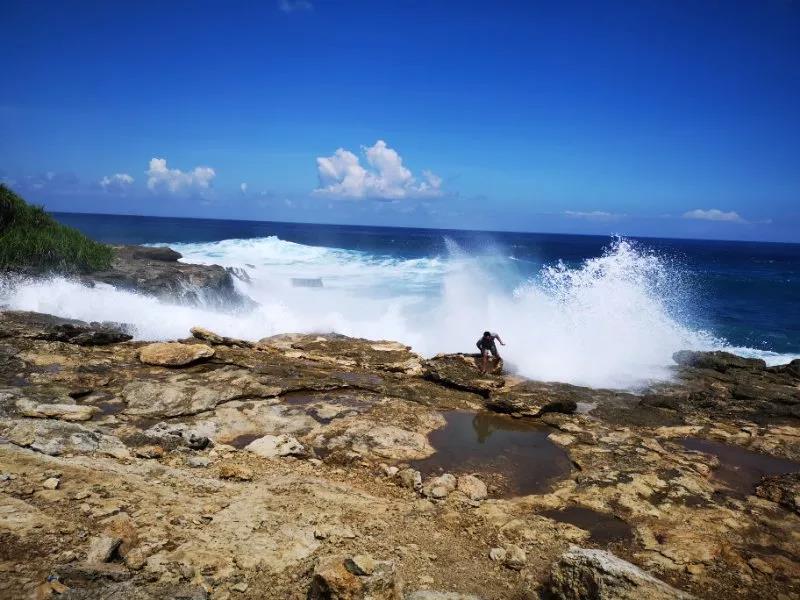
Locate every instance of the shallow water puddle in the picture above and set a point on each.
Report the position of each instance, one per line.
(513, 456)
(603, 528)
(739, 469)
(323, 407)
(110, 408)
(240, 441)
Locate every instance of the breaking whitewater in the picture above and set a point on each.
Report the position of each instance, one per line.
(613, 321)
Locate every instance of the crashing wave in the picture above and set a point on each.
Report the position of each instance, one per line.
(612, 321)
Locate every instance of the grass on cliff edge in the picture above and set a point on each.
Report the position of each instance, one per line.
(32, 240)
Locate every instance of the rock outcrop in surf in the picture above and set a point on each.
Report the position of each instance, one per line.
(156, 271)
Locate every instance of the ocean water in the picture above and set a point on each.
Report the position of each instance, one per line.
(592, 310)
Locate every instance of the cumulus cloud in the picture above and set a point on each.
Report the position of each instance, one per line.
(289, 6)
(119, 182)
(593, 215)
(713, 214)
(384, 177)
(159, 177)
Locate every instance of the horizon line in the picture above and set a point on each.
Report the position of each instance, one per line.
(500, 231)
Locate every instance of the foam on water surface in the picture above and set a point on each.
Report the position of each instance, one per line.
(613, 321)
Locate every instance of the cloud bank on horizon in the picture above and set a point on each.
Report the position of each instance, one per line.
(714, 214)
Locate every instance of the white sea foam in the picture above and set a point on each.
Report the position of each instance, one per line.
(615, 321)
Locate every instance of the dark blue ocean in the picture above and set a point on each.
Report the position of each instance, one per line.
(588, 309)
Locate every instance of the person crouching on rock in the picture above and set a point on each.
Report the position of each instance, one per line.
(486, 345)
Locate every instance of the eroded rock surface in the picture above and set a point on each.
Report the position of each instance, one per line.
(157, 272)
(288, 467)
(56, 329)
(782, 489)
(585, 574)
(170, 354)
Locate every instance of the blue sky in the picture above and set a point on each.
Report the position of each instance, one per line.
(644, 118)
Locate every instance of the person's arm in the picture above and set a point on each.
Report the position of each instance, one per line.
(480, 347)
(497, 337)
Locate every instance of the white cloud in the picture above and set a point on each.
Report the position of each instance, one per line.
(119, 182)
(159, 177)
(713, 214)
(288, 6)
(341, 175)
(243, 187)
(594, 215)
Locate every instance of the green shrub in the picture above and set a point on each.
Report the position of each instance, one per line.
(32, 240)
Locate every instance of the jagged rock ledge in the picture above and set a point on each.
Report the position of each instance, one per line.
(212, 467)
(156, 271)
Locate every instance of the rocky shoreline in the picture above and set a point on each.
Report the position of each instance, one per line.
(294, 467)
(156, 271)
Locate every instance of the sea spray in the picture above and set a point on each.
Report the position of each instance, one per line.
(611, 321)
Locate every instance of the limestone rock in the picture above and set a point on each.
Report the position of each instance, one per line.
(215, 339)
(515, 558)
(462, 372)
(159, 253)
(439, 487)
(122, 527)
(346, 352)
(156, 271)
(178, 395)
(47, 327)
(274, 446)
(51, 483)
(174, 354)
(761, 566)
(781, 489)
(497, 554)
(149, 452)
(233, 471)
(333, 580)
(411, 479)
(51, 437)
(535, 398)
(718, 361)
(472, 487)
(382, 441)
(587, 574)
(92, 571)
(431, 595)
(360, 564)
(101, 548)
(65, 412)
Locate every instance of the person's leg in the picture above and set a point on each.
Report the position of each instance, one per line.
(485, 360)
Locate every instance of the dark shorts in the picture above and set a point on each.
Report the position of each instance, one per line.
(493, 349)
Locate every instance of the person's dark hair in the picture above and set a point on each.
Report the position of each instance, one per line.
(486, 334)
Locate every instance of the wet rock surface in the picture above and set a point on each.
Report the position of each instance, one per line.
(323, 466)
(56, 329)
(157, 272)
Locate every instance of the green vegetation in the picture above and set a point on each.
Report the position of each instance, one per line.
(32, 240)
